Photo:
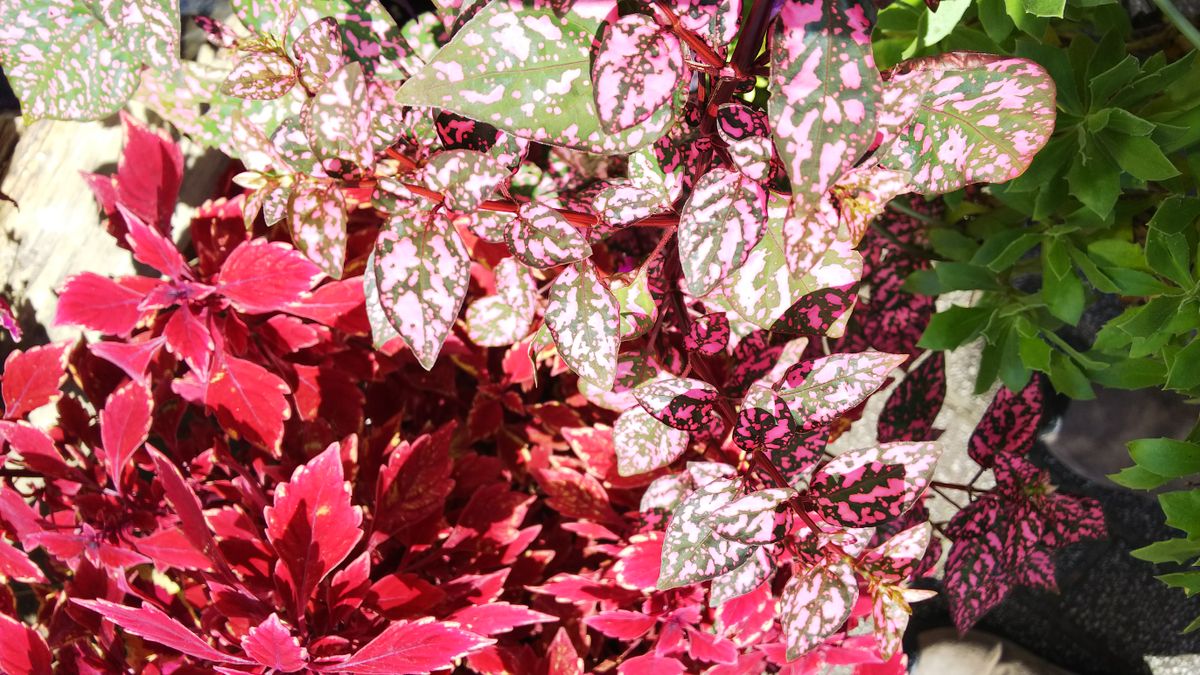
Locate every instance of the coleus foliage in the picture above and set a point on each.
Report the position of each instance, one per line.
(331, 470)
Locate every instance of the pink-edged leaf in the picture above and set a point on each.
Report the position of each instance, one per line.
(708, 335)
(101, 304)
(506, 317)
(312, 525)
(865, 487)
(541, 237)
(836, 384)
(464, 177)
(261, 276)
(36, 447)
(561, 656)
(14, 564)
(914, 404)
(318, 53)
(153, 624)
(583, 318)
(722, 221)
(708, 648)
(895, 559)
(22, 650)
(621, 624)
(170, 547)
(692, 552)
(153, 248)
(415, 481)
(651, 664)
(817, 312)
(751, 519)
(260, 75)
(249, 400)
(638, 564)
(498, 617)
(643, 443)
(32, 378)
(407, 647)
(1009, 425)
(742, 579)
(679, 402)
(189, 337)
(131, 357)
(272, 645)
(148, 174)
(815, 603)
(317, 218)
(635, 70)
(824, 91)
(964, 117)
(420, 272)
(124, 426)
(576, 495)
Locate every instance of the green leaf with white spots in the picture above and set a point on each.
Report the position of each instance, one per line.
(464, 177)
(692, 552)
(317, 218)
(526, 70)
(720, 224)
(504, 318)
(541, 237)
(583, 317)
(644, 444)
(638, 309)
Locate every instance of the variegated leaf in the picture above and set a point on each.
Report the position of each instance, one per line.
(421, 272)
(703, 473)
(722, 221)
(964, 117)
(752, 157)
(818, 312)
(638, 309)
(635, 70)
(751, 519)
(626, 204)
(317, 218)
(504, 318)
(318, 53)
(742, 579)
(692, 552)
(714, 20)
(541, 237)
(260, 75)
(824, 90)
(863, 192)
(663, 494)
(889, 613)
(491, 226)
(338, 128)
(708, 335)
(644, 444)
(837, 383)
(524, 69)
(382, 330)
(815, 603)
(866, 487)
(894, 560)
(582, 315)
(464, 177)
(679, 402)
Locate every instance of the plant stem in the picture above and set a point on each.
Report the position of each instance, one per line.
(1180, 21)
(697, 43)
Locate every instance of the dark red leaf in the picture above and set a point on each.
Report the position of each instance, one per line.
(415, 481)
(913, 405)
(148, 174)
(152, 624)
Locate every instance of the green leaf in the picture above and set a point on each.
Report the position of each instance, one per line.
(1119, 120)
(1169, 550)
(955, 276)
(1035, 353)
(952, 244)
(1171, 238)
(1139, 156)
(527, 71)
(1002, 250)
(1061, 289)
(1184, 372)
(1048, 8)
(1183, 511)
(1166, 456)
(1132, 374)
(939, 24)
(1068, 379)
(1095, 179)
(955, 326)
(1188, 581)
(995, 19)
(1137, 478)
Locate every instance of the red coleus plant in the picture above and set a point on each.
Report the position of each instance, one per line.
(503, 362)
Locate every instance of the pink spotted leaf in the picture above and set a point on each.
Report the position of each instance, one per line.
(643, 443)
(692, 552)
(836, 384)
(635, 70)
(663, 494)
(627, 204)
(721, 222)
(914, 404)
(541, 237)
(815, 603)
(679, 402)
(464, 177)
(504, 318)
(742, 579)
(817, 312)
(752, 519)
(583, 318)
(260, 75)
(866, 487)
(895, 559)
(1009, 424)
(338, 130)
(317, 218)
(318, 53)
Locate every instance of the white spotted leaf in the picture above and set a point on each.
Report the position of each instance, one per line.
(504, 318)
(692, 552)
(837, 383)
(582, 316)
(260, 75)
(751, 519)
(644, 444)
(635, 70)
(722, 221)
(541, 237)
(464, 177)
(815, 603)
(317, 218)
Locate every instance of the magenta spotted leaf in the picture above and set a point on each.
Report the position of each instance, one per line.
(752, 519)
(964, 117)
(743, 579)
(260, 75)
(708, 334)
(895, 560)
(318, 53)
(582, 316)
(815, 603)
(421, 271)
(317, 218)
(816, 313)
(1009, 425)
(644, 444)
(752, 157)
(679, 402)
(504, 318)
(836, 384)
(866, 487)
(528, 76)
(692, 552)
(720, 224)
(824, 90)
(464, 177)
(541, 237)
(914, 404)
(635, 70)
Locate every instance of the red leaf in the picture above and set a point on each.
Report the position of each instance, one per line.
(22, 650)
(188, 336)
(576, 495)
(149, 174)
(561, 657)
(32, 378)
(415, 481)
(621, 624)
(639, 564)
(152, 624)
(152, 248)
(187, 506)
(249, 399)
(132, 357)
(651, 664)
(312, 525)
(412, 647)
(124, 426)
(101, 304)
(339, 304)
(36, 448)
(261, 276)
(170, 547)
(498, 617)
(14, 564)
(704, 646)
(271, 644)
